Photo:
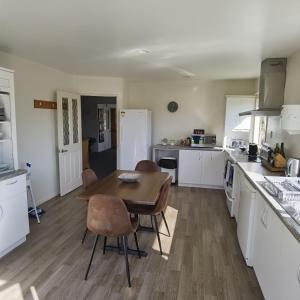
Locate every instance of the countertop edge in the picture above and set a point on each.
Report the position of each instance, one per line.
(12, 174)
(178, 147)
(287, 220)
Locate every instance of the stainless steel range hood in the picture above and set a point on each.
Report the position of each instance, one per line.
(271, 88)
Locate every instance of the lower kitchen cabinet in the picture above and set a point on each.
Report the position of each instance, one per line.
(201, 168)
(212, 168)
(189, 167)
(14, 224)
(276, 255)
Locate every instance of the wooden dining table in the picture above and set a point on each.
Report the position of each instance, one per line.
(144, 192)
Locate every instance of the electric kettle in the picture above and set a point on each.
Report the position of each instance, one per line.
(293, 167)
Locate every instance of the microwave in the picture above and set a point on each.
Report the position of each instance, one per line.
(203, 140)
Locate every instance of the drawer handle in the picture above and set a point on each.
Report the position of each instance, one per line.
(13, 182)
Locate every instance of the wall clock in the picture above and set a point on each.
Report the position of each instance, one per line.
(172, 106)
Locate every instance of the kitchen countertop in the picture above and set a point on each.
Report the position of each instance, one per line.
(178, 147)
(12, 174)
(255, 173)
(237, 155)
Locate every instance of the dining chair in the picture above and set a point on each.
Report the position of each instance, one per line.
(158, 209)
(88, 178)
(147, 166)
(109, 217)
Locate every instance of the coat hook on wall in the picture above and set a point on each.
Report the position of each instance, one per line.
(44, 104)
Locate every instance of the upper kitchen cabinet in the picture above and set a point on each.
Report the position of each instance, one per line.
(238, 127)
(201, 168)
(8, 139)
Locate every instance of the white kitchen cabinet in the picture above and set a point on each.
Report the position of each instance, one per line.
(212, 168)
(189, 167)
(276, 255)
(14, 224)
(201, 168)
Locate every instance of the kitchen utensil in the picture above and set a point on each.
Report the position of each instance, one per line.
(293, 167)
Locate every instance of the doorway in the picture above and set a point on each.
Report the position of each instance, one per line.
(99, 132)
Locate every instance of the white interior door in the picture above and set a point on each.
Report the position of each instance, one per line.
(69, 141)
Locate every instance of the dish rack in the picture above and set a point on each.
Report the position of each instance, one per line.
(284, 188)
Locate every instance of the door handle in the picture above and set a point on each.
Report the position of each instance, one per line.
(63, 151)
(298, 275)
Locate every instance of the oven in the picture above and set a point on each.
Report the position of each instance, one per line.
(230, 186)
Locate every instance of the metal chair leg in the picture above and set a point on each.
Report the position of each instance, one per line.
(125, 242)
(157, 233)
(104, 244)
(137, 244)
(91, 259)
(151, 218)
(164, 218)
(84, 235)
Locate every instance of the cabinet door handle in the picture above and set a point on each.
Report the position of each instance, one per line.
(263, 218)
(298, 275)
(1, 215)
(12, 182)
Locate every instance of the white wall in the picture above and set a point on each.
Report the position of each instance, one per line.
(292, 96)
(36, 128)
(201, 105)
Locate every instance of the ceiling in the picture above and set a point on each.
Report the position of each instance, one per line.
(151, 39)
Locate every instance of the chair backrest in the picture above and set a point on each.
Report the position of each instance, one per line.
(108, 216)
(88, 177)
(147, 166)
(162, 201)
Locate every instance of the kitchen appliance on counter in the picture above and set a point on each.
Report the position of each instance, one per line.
(135, 137)
(203, 140)
(293, 167)
(252, 153)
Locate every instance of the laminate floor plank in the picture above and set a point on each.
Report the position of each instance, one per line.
(201, 259)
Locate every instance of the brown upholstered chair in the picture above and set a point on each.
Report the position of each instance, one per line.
(88, 178)
(158, 209)
(109, 217)
(147, 166)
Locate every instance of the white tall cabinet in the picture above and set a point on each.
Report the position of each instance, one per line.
(14, 224)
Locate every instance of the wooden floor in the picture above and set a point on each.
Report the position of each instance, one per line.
(202, 259)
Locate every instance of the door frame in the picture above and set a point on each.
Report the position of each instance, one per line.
(117, 96)
(69, 148)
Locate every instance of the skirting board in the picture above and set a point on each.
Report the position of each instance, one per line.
(214, 187)
(13, 246)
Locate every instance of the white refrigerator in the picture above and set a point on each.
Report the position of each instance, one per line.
(135, 137)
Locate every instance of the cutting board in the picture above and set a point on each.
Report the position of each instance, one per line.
(271, 168)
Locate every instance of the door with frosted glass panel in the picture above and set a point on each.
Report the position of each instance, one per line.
(69, 141)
